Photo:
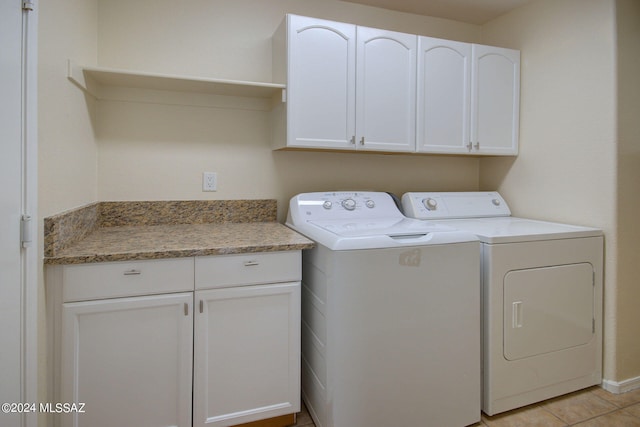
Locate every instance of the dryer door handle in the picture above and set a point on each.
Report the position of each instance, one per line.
(516, 314)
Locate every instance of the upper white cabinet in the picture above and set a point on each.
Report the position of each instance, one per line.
(316, 59)
(385, 90)
(444, 96)
(495, 101)
(468, 98)
(348, 87)
(360, 88)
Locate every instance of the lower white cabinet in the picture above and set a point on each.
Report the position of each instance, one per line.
(128, 360)
(145, 344)
(247, 354)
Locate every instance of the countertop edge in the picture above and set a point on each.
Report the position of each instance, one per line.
(185, 253)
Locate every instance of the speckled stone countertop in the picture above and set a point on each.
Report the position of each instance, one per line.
(125, 231)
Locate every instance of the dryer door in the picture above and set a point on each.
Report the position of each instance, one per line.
(547, 309)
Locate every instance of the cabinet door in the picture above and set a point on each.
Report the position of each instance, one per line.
(129, 361)
(444, 88)
(320, 83)
(247, 354)
(495, 110)
(385, 90)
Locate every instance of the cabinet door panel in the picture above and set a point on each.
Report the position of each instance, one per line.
(444, 71)
(129, 360)
(496, 105)
(321, 83)
(386, 90)
(247, 354)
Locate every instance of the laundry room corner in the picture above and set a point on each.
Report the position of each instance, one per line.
(576, 148)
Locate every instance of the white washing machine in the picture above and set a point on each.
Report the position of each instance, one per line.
(391, 315)
(542, 297)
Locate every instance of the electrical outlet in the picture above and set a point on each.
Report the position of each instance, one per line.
(209, 181)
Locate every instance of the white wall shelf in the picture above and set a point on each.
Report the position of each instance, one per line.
(95, 80)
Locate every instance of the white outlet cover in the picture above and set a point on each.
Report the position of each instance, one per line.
(209, 181)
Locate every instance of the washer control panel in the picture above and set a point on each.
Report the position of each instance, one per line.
(434, 205)
(343, 205)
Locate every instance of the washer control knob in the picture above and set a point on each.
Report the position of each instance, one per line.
(327, 205)
(496, 202)
(430, 204)
(370, 204)
(349, 204)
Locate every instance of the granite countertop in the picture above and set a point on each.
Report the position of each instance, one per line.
(67, 243)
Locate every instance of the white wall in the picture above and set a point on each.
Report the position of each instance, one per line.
(67, 151)
(567, 129)
(67, 146)
(231, 38)
(153, 151)
(566, 170)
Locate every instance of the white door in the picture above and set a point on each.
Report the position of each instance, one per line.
(321, 83)
(10, 205)
(17, 269)
(247, 354)
(385, 90)
(444, 89)
(495, 108)
(129, 361)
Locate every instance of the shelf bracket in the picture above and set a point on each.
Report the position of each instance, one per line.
(77, 76)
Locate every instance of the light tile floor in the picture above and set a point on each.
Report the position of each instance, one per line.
(592, 407)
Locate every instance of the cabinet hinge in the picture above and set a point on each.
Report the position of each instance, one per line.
(28, 5)
(25, 231)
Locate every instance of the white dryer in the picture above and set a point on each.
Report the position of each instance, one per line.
(391, 315)
(541, 294)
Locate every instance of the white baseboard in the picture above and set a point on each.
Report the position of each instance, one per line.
(622, 386)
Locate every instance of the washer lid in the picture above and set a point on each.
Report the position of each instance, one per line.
(379, 226)
(511, 229)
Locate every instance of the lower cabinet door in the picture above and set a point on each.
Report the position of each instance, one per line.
(128, 361)
(246, 354)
